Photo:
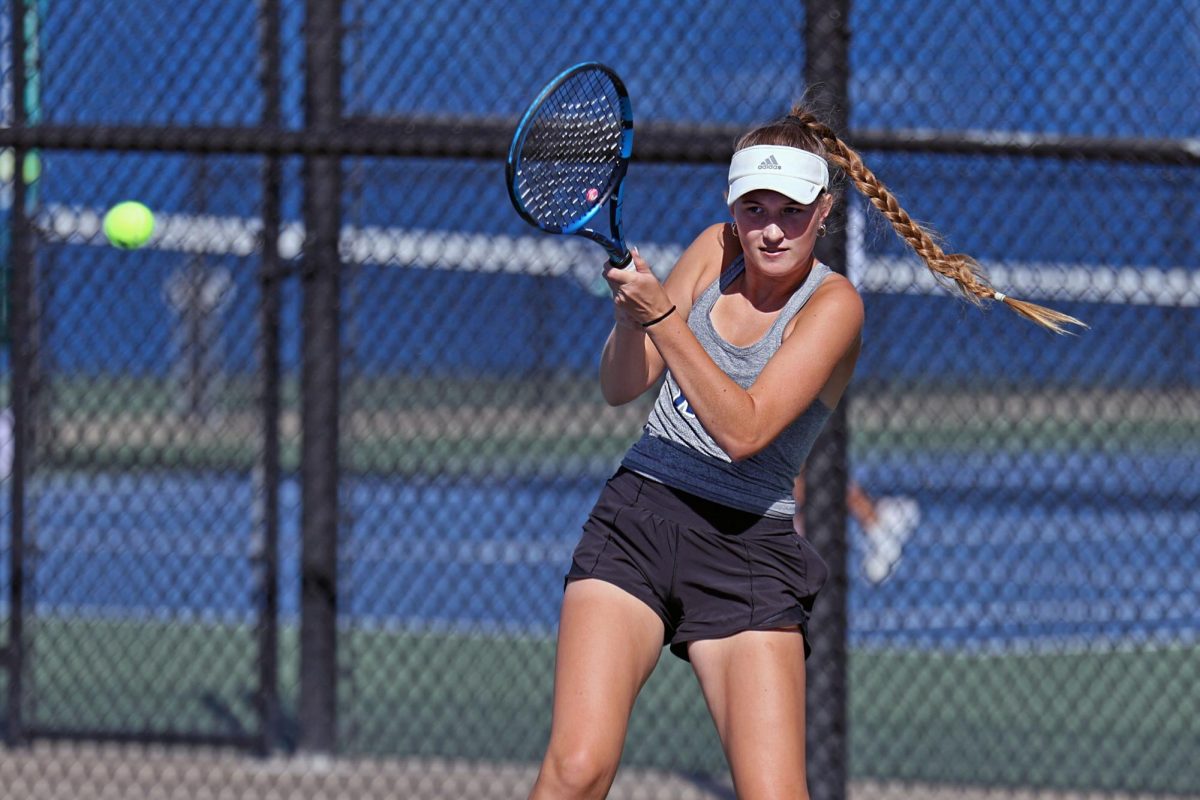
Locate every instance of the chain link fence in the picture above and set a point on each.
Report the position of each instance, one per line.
(208, 589)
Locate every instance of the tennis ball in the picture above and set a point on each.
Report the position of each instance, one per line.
(128, 225)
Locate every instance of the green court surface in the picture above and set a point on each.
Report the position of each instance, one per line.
(1123, 721)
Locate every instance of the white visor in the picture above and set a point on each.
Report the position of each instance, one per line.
(794, 173)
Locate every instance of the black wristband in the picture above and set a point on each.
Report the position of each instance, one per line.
(657, 320)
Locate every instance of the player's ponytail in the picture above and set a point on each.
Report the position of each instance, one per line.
(801, 128)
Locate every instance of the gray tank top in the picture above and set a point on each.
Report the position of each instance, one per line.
(677, 451)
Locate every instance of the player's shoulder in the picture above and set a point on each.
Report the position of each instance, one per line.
(836, 303)
(837, 295)
(835, 283)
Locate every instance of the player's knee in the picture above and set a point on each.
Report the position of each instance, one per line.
(772, 793)
(577, 773)
(771, 790)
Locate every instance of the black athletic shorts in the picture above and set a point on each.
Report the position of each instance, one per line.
(707, 570)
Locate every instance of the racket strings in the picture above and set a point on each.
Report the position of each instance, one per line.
(572, 151)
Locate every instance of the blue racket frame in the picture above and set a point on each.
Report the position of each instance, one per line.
(618, 253)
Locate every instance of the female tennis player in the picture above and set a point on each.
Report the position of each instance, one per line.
(691, 544)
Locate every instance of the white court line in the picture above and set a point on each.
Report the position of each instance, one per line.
(544, 254)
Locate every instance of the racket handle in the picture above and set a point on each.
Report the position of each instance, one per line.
(622, 263)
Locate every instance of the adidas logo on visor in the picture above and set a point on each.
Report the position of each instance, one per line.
(770, 163)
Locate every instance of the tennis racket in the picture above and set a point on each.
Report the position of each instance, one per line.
(569, 157)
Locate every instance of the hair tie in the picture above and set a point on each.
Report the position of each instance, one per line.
(999, 296)
(657, 320)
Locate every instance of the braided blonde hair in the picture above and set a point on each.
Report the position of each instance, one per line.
(801, 129)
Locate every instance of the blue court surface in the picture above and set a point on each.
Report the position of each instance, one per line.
(1013, 551)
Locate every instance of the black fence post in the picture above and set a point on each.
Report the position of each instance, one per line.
(268, 470)
(827, 73)
(320, 386)
(21, 361)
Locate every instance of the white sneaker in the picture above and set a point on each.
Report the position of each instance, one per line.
(896, 519)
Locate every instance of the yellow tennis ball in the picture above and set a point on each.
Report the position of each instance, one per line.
(128, 225)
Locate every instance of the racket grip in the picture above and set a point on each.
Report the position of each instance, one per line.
(625, 262)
